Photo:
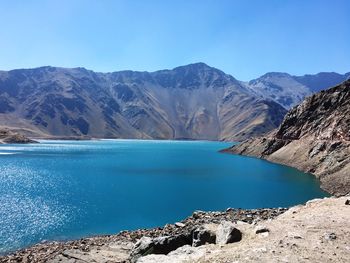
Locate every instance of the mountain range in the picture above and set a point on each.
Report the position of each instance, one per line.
(195, 101)
(288, 90)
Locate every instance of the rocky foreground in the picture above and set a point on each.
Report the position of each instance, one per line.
(117, 248)
(313, 137)
(318, 231)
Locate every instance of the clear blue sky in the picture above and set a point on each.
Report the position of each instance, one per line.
(243, 38)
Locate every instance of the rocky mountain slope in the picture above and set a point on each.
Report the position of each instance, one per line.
(289, 90)
(189, 102)
(313, 137)
(315, 232)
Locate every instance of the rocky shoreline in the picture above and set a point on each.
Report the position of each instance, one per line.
(44, 252)
(327, 160)
(317, 231)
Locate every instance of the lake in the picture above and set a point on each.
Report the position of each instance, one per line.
(59, 190)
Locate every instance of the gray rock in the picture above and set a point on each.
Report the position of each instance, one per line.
(142, 247)
(261, 229)
(184, 250)
(197, 214)
(179, 224)
(330, 236)
(159, 245)
(227, 233)
(203, 235)
(164, 245)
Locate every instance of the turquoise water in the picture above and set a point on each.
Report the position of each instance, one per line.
(59, 190)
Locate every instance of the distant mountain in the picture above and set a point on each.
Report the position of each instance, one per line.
(289, 90)
(189, 102)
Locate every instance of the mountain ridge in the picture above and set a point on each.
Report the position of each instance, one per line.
(289, 90)
(193, 101)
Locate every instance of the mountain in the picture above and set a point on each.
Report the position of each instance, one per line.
(289, 90)
(189, 102)
(322, 80)
(314, 137)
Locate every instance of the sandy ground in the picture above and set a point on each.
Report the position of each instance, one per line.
(316, 232)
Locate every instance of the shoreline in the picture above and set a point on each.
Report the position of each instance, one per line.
(48, 250)
(229, 151)
(316, 231)
(292, 154)
(79, 138)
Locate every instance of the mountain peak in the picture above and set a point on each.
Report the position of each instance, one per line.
(276, 75)
(198, 66)
(193, 76)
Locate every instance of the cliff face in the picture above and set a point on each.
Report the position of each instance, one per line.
(313, 137)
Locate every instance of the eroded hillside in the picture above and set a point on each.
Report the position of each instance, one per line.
(313, 137)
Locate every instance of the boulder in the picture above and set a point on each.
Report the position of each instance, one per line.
(186, 253)
(227, 233)
(204, 235)
(142, 247)
(159, 245)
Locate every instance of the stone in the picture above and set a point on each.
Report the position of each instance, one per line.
(197, 214)
(186, 249)
(179, 224)
(227, 233)
(347, 201)
(143, 247)
(159, 245)
(261, 229)
(242, 223)
(330, 236)
(204, 235)
(166, 244)
(183, 254)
